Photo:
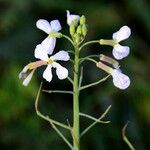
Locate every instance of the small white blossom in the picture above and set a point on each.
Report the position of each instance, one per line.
(120, 51)
(71, 18)
(61, 72)
(27, 80)
(120, 80)
(50, 28)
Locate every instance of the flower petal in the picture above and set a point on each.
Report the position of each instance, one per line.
(47, 74)
(122, 34)
(44, 25)
(120, 80)
(61, 55)
(61, 72)
(71, 18)
(55, 25)
(27, 80)
(120, 52)
(40, 53)
(49, 44)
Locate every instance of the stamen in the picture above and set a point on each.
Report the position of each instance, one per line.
(50, 61)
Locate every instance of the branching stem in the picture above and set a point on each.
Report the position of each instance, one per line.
(68, 38)
(94, 123)
(95, 83)
(61, 135)
(46, 117)
(93, 118)
(87, 43)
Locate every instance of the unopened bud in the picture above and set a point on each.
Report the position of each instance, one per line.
(79, 30)
(82, 20)
(72, 29)
(77, 38)
(84, 29)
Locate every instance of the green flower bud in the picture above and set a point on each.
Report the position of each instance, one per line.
(84, 29)
(77, 38)
(82, 20)
(79, 30)
(72, 29)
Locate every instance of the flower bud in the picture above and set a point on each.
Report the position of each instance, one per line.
(82, 20)
(84, 29)
(72, 29)
(77, 38)
(79, 30)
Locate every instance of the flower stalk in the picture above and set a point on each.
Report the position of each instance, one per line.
(76, 127)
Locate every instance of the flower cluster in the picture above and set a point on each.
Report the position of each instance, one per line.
(78, 31)
(120, 80)
(46, 48)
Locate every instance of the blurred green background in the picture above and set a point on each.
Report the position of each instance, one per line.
(20, 128)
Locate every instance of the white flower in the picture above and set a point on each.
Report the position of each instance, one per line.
(120, 80)
(71, 18)
(120, 51)
(61, 72)
(27, 80)
(50, 28)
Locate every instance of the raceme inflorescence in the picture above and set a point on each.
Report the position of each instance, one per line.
(47, 56)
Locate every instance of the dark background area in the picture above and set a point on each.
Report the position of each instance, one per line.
(20, 128)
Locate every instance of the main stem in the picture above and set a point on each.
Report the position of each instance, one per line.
(76, 140)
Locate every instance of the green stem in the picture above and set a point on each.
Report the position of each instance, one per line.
(70, 80)
(125, 137)
(87, 58)
(57, 91)
(95, 83)
(68, 38)
(81, 77)
(92, 118)
(52, 121)
(87, 43)
(94, 123)
(61, 135)
(92, 60)
(76, 141)
(46, 117)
